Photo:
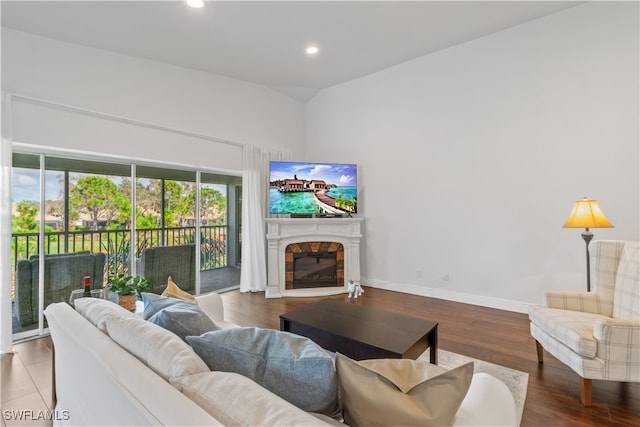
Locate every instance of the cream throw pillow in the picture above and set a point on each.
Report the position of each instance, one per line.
(385, 392)
(173, 291)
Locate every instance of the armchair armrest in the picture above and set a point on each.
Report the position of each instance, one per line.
(620, 331)
(619, 347)
(587, 302)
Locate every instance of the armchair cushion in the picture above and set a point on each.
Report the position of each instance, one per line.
(572, 328)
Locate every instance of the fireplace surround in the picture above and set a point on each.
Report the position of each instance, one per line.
(288, 236)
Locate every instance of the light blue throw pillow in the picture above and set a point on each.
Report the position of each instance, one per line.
(293, 367)
(178, 316)
(153, 303)
(183, 319)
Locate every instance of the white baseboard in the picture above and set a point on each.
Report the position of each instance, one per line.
(483, 301)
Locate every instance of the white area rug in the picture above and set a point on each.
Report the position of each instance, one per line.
(516, 380)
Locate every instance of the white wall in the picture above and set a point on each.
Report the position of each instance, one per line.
(143, 90)
(470, 159)
(139, 90)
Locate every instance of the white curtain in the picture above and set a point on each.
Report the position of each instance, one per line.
(255, 182)
(5, 227)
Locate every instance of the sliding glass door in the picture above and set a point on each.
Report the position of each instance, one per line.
(92, 216)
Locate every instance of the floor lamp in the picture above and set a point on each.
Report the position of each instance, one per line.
(587, 214)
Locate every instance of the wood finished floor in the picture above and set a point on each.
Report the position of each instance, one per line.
(496, 336)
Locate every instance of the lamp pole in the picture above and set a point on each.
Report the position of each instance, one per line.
(587, 236)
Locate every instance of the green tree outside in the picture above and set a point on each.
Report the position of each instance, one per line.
(99, 197)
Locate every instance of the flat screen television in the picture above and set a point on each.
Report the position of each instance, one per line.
(307, 188)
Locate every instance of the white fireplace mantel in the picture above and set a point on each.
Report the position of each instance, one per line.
(282, 232)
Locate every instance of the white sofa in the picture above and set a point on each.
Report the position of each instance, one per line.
(98, 382)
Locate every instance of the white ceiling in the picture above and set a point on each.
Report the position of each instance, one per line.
(264, 41)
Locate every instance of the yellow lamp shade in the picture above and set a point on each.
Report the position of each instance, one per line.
(587, 214)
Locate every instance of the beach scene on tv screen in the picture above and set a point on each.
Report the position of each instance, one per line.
(312, 188)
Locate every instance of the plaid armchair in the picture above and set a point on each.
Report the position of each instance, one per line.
(62, 274)
(597, 334)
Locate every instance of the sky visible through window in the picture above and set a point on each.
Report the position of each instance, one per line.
(26, 185)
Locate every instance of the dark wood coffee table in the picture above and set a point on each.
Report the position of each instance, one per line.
(361, 332)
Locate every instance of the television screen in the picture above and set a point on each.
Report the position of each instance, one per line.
(312, 188)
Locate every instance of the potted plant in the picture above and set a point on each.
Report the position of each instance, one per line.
(127, 287)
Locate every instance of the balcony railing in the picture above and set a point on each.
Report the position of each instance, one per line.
(116, 244)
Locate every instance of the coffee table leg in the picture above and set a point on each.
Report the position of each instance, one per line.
(433, 346)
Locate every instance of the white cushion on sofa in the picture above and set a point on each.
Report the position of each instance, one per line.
(161, 350)
(97, 310)
(216, 392)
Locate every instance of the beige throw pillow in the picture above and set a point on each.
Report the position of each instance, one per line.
(384, 392)
(173, 291)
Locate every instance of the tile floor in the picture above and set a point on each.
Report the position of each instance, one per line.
(26, 390)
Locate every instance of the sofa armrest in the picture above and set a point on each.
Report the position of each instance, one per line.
(94, 376)
(211, 303)
(488, 402)
(587, 302)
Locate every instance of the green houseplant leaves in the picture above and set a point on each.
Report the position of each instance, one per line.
(122, 284)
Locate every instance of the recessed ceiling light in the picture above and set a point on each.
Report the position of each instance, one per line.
(195, 3)
(312, 50)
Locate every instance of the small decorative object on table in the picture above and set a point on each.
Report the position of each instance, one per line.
(85, 291)
(127, 287)
(355, 290)
(87, 286)
(97, 293)
(75, 294)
